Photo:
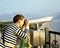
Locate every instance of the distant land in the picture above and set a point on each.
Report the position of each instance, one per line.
(55, 25)
(10, 16)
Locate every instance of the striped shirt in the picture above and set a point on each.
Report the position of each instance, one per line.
(11, 32)
(3, 46)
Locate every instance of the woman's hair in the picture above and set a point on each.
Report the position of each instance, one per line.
(17, 17)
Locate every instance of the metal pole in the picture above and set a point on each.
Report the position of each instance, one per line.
(55, 40)
(46, 38)
(39, 35)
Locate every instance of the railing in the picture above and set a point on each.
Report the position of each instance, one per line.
(54, 40)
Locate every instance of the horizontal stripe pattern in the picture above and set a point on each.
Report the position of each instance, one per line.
(2, 45)
(10, 33)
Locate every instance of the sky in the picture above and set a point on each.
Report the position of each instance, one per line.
(33, 7)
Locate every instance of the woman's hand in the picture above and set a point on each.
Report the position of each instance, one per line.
(26, 22)
(26, 25)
